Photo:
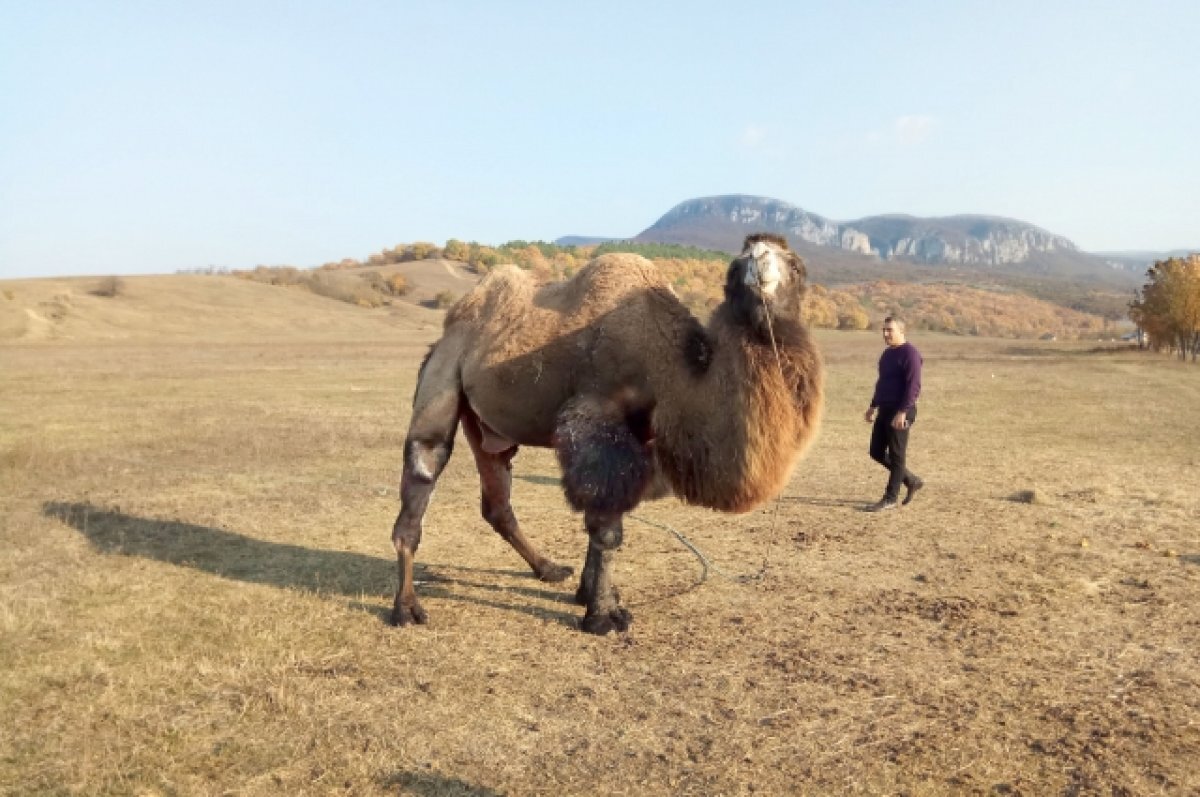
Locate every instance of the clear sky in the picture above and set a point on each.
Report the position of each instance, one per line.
(156, 136)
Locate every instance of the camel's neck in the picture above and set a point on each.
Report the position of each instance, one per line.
(731, 439)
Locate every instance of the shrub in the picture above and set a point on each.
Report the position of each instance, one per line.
(444, 299)
(397, 285)
(109, 287)
(344, 287)
(853, 318)
(391, 285)
(1026, 497)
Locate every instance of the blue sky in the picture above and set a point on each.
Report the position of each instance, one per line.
(140, 137)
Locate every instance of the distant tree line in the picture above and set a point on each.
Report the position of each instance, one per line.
(1167, 309)
(654, 251)
(546, 259)
(698, 278)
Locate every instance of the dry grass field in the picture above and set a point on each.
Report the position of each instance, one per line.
(197, 485)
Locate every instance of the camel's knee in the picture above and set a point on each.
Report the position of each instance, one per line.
(605, 532)
(425, 459)
(608, 538)
(499, 516)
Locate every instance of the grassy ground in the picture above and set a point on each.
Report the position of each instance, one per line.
(195, 574)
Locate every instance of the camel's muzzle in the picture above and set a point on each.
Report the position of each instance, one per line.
(764, 269)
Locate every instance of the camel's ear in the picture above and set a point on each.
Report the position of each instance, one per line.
(796, 263)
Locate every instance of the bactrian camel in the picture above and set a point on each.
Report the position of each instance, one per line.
(636, 396)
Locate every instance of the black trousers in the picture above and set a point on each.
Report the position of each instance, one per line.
(889, 448)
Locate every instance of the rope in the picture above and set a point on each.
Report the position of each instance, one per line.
(773, 538)
(705, 563)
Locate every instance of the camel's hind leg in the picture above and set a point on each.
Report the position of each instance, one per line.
(427, 449)
(495, 482)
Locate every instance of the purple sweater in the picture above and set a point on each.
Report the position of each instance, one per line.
(899, 382)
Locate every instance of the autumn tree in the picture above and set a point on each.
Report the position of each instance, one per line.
(818, 308)
(1168, 310)
(456, 250)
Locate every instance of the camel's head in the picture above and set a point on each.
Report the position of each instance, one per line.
(766, 280)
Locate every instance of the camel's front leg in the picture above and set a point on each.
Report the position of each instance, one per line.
(596, 590)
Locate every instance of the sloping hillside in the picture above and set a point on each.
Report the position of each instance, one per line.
(427, 279)
(252, 308)
(188, 306)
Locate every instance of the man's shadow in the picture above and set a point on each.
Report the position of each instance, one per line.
(240, 558)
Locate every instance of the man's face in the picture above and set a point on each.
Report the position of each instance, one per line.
(892, 334)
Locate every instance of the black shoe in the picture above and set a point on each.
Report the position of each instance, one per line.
(883, 504)
(912, 487)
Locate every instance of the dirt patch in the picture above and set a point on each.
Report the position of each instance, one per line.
(194, 586)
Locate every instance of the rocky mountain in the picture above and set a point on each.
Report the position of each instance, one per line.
(966, 240)
(1139, 262)
(584, 240)
(988, 243)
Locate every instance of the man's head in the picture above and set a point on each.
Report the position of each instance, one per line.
(893, 331)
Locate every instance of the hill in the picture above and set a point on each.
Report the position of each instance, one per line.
(1139, 262)
(395, 299)
(973, 244)
(428, 280)
(584, 240)
(184, 306)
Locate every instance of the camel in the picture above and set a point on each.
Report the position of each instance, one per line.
(636, 396)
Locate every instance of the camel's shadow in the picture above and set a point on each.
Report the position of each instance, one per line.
(342, 573)
(431, 784)
(857, 503)
(544, 481)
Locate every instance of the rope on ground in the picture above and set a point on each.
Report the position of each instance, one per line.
(706, 563)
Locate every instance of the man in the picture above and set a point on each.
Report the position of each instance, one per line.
(895, 399)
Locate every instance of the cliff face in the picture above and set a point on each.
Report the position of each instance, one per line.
(966, 240)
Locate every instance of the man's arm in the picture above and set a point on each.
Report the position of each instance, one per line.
(912, 388)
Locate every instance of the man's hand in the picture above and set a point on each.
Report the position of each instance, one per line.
(869, 417)
(900, 422)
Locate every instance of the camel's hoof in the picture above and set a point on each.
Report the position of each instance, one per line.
(600, 624)
(554, 573)
(408, 615)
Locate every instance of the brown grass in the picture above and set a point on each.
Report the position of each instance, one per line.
(196, 571)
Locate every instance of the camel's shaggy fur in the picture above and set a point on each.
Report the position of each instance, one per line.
(637, 397)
